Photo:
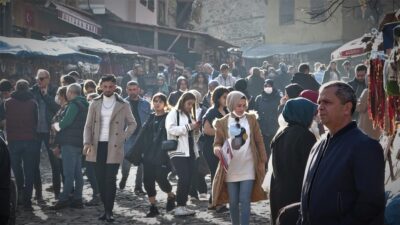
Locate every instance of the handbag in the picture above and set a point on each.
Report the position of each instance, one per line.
(171, 145)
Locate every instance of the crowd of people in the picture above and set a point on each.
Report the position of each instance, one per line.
(299, 126)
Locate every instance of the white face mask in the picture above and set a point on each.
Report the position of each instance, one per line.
(268, 90)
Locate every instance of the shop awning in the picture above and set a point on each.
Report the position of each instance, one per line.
(25, 48)
(88, 44)
(146, 51)
(72, 16)
(356, 48)
(268, 50)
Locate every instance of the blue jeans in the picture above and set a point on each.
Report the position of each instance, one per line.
(25, 158)
(240, 192)
(72, 167)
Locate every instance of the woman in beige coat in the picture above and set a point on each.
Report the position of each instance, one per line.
(241, 182)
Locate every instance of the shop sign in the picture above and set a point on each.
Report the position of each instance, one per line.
(79, 22)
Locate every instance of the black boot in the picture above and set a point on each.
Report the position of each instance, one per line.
(170, 203)
(153, 211)
(109, 217)
(102, 217)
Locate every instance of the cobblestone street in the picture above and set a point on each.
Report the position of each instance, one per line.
(129, 208)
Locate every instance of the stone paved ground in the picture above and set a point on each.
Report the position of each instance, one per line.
(129, 208)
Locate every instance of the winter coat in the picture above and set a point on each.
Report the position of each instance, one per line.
(290, 149)
(255, 85)
(181, 131)
(306, 81)
(122, 125)
(49, 99)
(266, 106)
(174, 97)
(5, 174)
(344, 180)
(73, 122)
(281, 80)
(219, 188)
(327, 76)
(21, 114)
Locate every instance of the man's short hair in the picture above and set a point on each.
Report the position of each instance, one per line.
(5, 85)
(304, 67)
(132, 83)
(344, 92)
(42, 71)
(74, 88)
(108, 77)
(361, 67)
(208, 65)
(22, 85)
(224, 67)
(68, 79)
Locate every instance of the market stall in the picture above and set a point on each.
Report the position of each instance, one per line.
(21, 57)
(115, 59)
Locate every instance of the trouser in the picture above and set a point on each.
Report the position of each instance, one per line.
(54, 164)
(106, 175)
(212, 162)
(72, 168)
(198, 184)
(240, 192)
(184, 168)
(91, 175)
(153, 174)
(126, 167)
(25, 157)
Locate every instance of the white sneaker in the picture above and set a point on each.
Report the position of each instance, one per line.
(183, 211)
(203, 196)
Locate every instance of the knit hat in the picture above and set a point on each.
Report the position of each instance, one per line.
(293, 90)
(310, 95)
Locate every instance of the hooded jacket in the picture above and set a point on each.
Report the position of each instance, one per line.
(306, 81)
(266, 106)
(290, 149)
(21, 113)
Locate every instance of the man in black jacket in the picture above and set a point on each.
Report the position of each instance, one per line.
(304, 79)
(344, 177)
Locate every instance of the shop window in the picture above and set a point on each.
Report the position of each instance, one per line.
(318, 10)
(286, 12)
(149, 4)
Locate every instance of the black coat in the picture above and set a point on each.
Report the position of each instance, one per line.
(290, 149)
(344, 180)
(306, 81)
(5, 174)
(266, 106)
(281, 80)
(174, 97)
(51, 106)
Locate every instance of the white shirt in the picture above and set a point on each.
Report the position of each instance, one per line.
(229, 81)
(241, 166)
(107, 108)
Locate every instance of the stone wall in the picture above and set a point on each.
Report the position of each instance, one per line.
(242, 23)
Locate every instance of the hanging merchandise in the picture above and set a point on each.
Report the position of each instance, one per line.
(377, 96)
(391, 75)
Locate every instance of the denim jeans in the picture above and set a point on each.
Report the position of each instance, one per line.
(54, 163)
(126, 167)
(240, 192)
(25, 157)
(72, 167)
(91, 175)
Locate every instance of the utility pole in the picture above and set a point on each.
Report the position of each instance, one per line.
(6, 18)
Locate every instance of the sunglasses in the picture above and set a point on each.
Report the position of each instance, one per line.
(237, 122)
(41, 78)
